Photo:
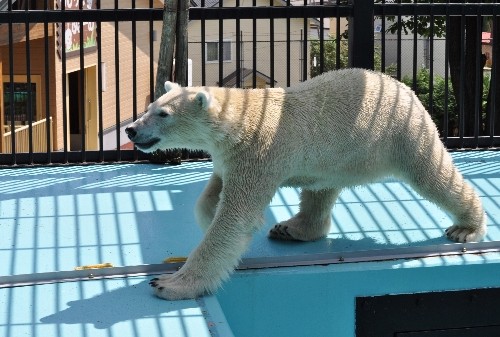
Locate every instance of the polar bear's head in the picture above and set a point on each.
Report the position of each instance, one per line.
(178, 119)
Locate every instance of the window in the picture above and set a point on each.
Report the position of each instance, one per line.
(212, 51)
(434, 314)
(20, 98)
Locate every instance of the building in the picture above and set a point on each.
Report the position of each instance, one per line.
(58, 92)
(34, 48)
(269, 49)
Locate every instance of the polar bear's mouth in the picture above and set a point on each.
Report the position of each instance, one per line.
(147, 145)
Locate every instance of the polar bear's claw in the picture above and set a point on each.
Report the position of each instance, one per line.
(175, 287)
(280, 232)
(465, 234)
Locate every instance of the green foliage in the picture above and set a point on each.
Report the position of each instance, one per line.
(438, 107)
(486, 91)
(330, 57)
(424, 25)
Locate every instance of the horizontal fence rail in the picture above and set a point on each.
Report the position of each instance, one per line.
(90, 94)
(233, 13)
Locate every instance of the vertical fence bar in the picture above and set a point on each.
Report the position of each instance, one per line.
(100, 88)
(11, 89)
(361, 39)
(446, 119)
(398, 47)
(431, 62)
(304, 46)
(382, 40)
(415, 49)
(221, 47)
(151, 58)
(271, 48)
(238, 49)
(254, 48)
(29, 104)
(134, 73)
(493, 80)
(479, 82)
(461, 115)
(117, 85)
(337, 39)
(288, 49)
(321, 40)
(48, 121)
(82, 91)
(64, 83)
(203, 49)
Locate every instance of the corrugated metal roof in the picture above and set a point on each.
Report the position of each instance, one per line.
(208, 3)
(4, 4)
(230, 80)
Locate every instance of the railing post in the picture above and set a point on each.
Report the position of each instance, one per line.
(361, 42)
(1, 106)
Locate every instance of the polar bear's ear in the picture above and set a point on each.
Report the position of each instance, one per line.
(170, 85)
(204, 99)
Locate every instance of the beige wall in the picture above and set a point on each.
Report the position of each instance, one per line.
(37, 64)
(125, 68)
(37, 69)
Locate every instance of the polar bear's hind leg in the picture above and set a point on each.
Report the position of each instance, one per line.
(434, 176)
(313, 220)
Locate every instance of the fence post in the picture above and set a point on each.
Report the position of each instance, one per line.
(361, 42)
(1, 106)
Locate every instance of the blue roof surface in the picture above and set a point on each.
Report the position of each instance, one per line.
(53, 219)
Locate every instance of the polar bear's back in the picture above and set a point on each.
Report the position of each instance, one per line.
(363, 119)
(359, 103)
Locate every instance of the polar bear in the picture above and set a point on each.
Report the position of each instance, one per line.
(341, 129)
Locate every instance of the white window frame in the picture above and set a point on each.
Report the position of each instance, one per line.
(218, 56)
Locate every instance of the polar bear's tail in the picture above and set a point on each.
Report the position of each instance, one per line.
(431, 172)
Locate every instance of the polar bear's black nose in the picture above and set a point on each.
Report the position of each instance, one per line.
(130, 131)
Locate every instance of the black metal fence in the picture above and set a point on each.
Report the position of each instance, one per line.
(447, 52)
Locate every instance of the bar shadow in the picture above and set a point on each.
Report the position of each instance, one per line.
(127, 303)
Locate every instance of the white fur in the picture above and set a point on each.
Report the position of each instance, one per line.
(170, 85)
(204, 99)
(340, 129)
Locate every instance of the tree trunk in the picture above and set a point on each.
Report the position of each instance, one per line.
(181, 51)
(495, 68)
(167, 46)
(453, 39)
(470, 78)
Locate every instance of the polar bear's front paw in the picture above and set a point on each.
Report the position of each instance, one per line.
(465, 234)
(176, 287)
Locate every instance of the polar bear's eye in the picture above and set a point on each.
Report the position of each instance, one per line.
(163, 114)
